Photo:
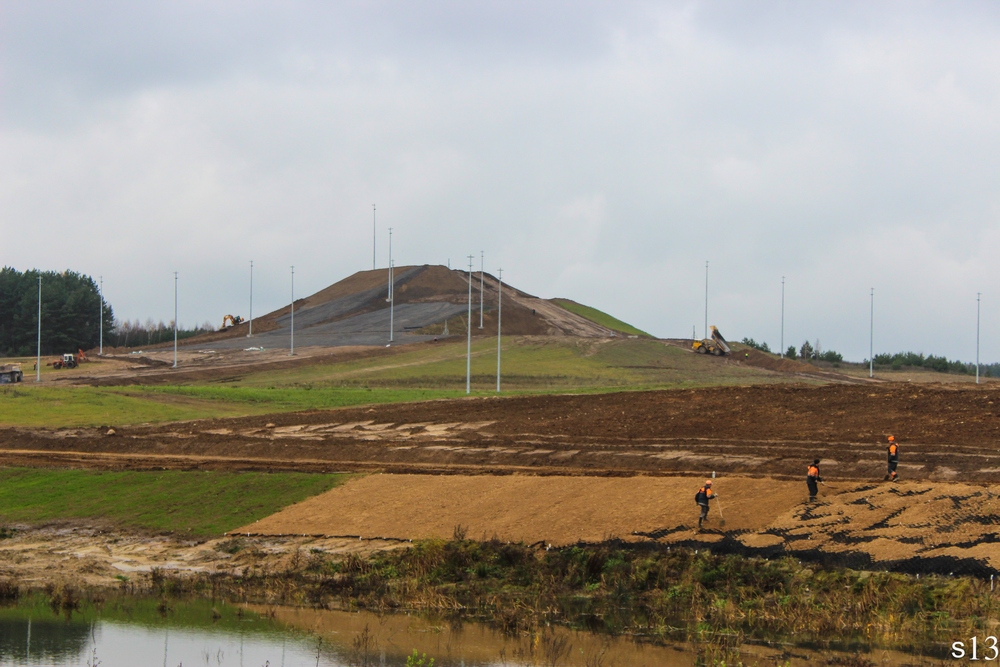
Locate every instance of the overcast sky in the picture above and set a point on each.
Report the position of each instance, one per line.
(597, 151)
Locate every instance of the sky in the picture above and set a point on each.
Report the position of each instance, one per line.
(599, 151)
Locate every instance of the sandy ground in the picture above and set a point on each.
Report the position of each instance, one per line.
(943, 527)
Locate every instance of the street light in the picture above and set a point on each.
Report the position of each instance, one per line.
(781, 348)
(291, 340)
(978, 295)
(392, 299)
(100, 349)
(373, 237)
(871, 339)
(250, 335)
(175, 319)
(38, 357)
(482, 255)
(706, 298)
(499, 310)
(468, 329)
(389, 296)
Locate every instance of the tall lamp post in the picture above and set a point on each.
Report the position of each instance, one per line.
(499, 311)
(706, 298)
(291, 339)
(389, 295)
(38, 352)
(482, 255)
(782, 346)
(250, 335)
(100, 349)
(871, 338)
(373, 237)
(468, 329)
(978, 296)
(175, 319)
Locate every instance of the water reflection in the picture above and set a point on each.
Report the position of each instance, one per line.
(137, 632)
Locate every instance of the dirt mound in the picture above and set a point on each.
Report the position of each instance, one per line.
(895, 526)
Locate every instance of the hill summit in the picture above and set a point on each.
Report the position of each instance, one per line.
(430, 301)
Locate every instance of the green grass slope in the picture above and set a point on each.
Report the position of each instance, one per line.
(599, 317)
(530, 364)
(194, 503)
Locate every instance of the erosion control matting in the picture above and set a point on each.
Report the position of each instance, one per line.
(944, 527)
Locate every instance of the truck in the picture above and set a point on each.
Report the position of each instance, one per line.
(715, 345)
(10, 373)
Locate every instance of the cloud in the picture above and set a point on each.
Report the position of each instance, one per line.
(599, 152)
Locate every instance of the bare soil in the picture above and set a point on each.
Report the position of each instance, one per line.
(919, 527)
(562, 469)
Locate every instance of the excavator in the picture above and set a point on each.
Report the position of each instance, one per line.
(230, 321)
(715, 345)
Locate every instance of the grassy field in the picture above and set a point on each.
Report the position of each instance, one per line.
(420, 372)
(196, 503)
(529, 364)
(600, 317)
(61, 407)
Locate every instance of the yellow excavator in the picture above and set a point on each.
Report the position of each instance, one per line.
(715, 345)
(230, 321)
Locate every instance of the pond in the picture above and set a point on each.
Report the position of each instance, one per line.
(131, 632)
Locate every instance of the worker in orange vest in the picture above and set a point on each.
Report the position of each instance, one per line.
(702, 498)
(812, 479)
(893, 459)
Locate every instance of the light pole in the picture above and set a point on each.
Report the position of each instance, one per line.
(468, 330)
(291, 339)
(706, 298)
(250, 335)
(389, 295)
(373, 237)
(482, 255)
(871, 339)
(978, 296)
(38, 353)
(392, 300)
(100, 349)
(781, 348)
(175, 319)
(499, 311)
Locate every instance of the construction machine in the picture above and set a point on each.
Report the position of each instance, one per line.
(230, 321)
(68, 360)
(10, 373)
(715, 345)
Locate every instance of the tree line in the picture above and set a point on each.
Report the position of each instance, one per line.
(897, 361)
(72, 309)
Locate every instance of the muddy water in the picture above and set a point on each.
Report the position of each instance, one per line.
(223, 635)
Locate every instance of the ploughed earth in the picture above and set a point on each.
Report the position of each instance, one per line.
(562, 469)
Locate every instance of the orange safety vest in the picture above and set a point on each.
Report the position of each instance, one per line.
(813, 471)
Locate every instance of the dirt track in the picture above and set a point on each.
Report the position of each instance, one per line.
(947, 434)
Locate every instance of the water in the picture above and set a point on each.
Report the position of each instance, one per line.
(133, 632)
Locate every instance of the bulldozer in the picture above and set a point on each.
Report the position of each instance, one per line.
(230, 321)
(715, 345)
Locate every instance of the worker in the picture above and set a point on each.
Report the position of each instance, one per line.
(893, 459)
(704, 495)
(812, 479)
